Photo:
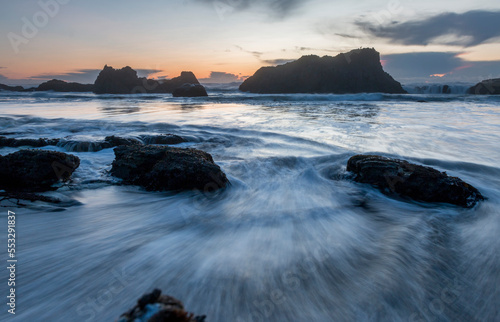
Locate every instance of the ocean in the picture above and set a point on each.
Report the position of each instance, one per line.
(293, 238)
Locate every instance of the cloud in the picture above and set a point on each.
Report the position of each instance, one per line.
(276, 8)
(467, 29)
(221, 77)
(420, 64)
(279, 61)
(86, 76)
(438, 67)
(256, 54)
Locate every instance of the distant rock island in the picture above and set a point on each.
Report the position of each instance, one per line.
(123, 81)
(358, 71)
(62, 86)
(11, 88)
(486, 87)
(126, 81)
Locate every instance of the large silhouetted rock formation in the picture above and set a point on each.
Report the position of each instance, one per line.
(486, 87)
(62, 86)
(358, 71)
(126, 81)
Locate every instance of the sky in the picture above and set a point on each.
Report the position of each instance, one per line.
(228, 40)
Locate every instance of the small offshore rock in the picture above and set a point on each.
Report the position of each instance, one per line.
(414, 181)
(190, 90)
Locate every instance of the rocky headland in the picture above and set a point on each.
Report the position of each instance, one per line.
(358, 71)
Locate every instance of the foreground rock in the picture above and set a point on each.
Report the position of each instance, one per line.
(167, 168)
(92, 146)
(486, 87)
(190, 90)
(126, 81)
(62, 86)
(155, 307)
(358, 71)
(413, 181)
(35, 170)
(36, 143)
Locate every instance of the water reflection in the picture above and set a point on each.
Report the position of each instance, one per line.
(191, 106)
(340, 112)
(118, 108)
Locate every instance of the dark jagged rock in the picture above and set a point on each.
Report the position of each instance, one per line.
(35, 170)
(414, 181)
(155, 307)
(166, 168)
(190, 90)
(358, 71)
(62, 86)
(162, 139)
(126, 81)
(486, 87)
(35, 143)
(11, 88)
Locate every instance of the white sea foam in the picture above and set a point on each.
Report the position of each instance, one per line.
(292, 238)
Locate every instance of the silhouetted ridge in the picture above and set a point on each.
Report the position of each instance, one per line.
(11, 88)
(62, 86)
(358, 71)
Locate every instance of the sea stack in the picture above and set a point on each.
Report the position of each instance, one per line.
(126, 81)
(358, 71)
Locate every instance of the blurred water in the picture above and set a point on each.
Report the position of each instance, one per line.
(292, 239)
